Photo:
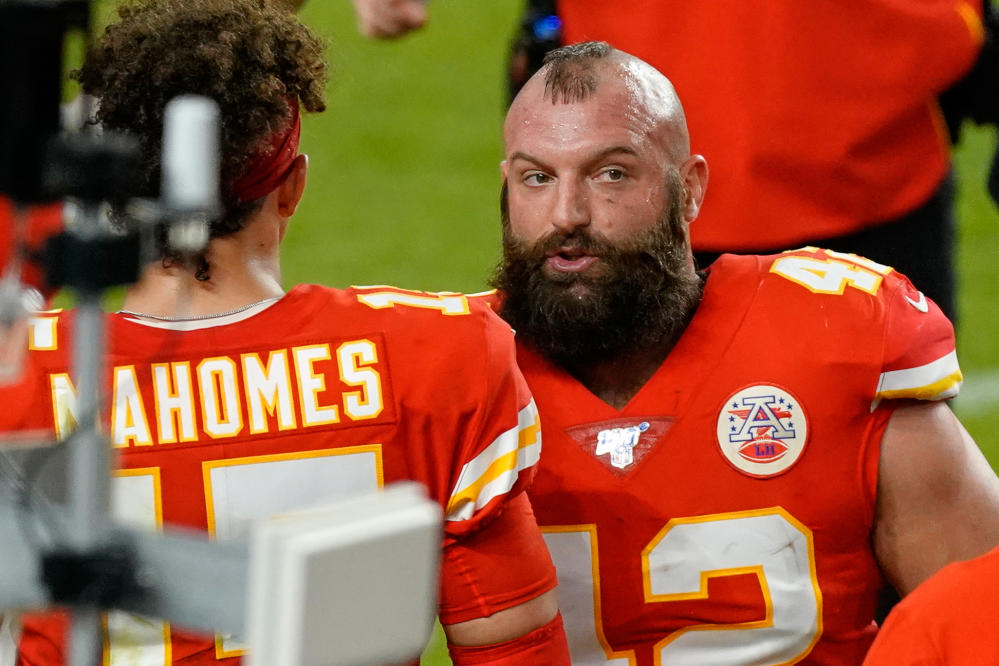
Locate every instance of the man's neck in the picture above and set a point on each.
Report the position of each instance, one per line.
(617, 380)
(234, 280)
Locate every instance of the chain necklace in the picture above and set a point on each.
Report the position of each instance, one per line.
(216, 315)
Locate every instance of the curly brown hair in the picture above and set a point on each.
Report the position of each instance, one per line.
(250, 56)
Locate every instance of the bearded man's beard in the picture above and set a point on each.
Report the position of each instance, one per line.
(642, 295)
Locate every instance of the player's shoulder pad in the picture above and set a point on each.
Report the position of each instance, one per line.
(872, 300)
(829, 273)
(449, 311)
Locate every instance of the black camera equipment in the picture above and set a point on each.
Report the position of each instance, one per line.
(86, 566)
(31, 50)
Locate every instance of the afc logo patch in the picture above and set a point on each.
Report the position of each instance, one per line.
(762, 430)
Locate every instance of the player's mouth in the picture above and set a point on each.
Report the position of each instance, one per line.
(569, 260)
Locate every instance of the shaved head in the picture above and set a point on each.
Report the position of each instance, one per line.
(572, 74)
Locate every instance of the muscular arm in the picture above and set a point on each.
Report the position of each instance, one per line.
(938, 499)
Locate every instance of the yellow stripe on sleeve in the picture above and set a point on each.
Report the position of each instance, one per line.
(495, 470)
(947, 387)
(938, 380)
(973, 21)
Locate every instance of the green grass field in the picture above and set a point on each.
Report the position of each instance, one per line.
(404, 179)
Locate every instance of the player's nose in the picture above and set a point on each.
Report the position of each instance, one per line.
(572, 206)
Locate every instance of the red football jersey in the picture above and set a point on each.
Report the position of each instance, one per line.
(724, 515)
(949, 620)
(322, 394)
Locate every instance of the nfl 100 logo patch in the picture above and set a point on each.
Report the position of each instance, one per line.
(620, 444)
(762, 430)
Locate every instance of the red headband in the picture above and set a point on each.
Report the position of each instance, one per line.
(268, 168)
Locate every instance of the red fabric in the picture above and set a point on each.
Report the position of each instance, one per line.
(816, 118)
(545, 645)
(43, 221)
(949, 619)
(407, 406)
(666, 560)
(268, 169)
(496, 567)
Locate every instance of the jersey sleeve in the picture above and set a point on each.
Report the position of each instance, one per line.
(494, 555)
(502, 445)
(495, 568)
(919, 359)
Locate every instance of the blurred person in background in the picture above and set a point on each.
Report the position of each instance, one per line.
(325, 392)
(739, 460)
(947, 621)
(22, 280)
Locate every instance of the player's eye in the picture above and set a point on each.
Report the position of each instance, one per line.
(613, 175)
(536, 178)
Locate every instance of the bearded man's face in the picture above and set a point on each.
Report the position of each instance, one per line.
(579, 297)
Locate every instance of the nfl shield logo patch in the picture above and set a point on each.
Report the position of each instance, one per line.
(762, 430)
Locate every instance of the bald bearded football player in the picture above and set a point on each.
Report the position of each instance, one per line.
(738, 460)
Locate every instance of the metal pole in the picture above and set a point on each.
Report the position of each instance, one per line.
(89, 457)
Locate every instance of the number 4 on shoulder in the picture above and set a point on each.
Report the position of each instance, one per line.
(832, 275)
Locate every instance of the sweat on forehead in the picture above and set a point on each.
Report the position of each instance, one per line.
(574, 74)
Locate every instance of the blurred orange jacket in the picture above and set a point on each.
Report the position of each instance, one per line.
(817, 118)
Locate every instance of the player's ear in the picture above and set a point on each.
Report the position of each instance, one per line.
(293, 186)
(694, 174)
(504, 167)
